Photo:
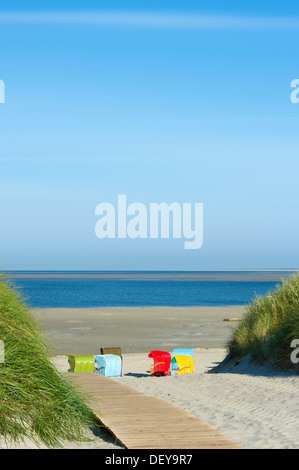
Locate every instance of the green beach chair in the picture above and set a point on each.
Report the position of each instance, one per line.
(81, 363)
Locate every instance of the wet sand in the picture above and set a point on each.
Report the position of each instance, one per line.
(84, 331)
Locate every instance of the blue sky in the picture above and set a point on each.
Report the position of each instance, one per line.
(186, 103)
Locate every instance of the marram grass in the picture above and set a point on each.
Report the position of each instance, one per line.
(36, 401)
(269, 326)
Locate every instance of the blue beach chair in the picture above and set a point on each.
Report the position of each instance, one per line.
(109, 365)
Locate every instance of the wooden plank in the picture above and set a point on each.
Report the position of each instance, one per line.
(141, 421)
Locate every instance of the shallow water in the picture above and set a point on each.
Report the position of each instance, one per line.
(90, 289)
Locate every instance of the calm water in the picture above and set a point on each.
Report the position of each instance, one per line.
(219, 290)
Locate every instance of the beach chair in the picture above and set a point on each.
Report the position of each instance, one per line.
(182, 365)
(109, 365)
(114, 350)
(81, 363)
(180, 352)
(162, 363)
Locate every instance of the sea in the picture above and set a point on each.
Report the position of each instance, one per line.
(88, 289)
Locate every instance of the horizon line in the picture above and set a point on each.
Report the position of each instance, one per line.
(155, 270)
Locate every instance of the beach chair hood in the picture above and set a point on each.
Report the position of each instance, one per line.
(81, 362)
(180, 352)
(162, 361)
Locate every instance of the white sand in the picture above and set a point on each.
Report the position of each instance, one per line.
(255, 406)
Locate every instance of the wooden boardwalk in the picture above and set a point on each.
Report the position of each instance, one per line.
(141, 421)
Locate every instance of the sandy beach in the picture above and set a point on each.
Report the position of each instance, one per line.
(255, 406)
(84, 331)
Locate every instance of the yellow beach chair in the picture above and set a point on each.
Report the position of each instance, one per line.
(185, 364)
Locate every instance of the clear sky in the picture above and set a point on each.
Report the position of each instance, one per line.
(185, 103)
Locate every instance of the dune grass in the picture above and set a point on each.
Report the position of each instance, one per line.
(36, 402)
(269, 326)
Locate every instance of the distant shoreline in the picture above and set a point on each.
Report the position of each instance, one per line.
(140, 271)
(245, 276)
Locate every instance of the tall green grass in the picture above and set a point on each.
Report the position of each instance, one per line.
(36, 401)
(268, 327)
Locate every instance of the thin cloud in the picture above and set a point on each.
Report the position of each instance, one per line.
(153, 20)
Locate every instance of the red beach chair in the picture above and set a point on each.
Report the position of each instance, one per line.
(162, 363)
